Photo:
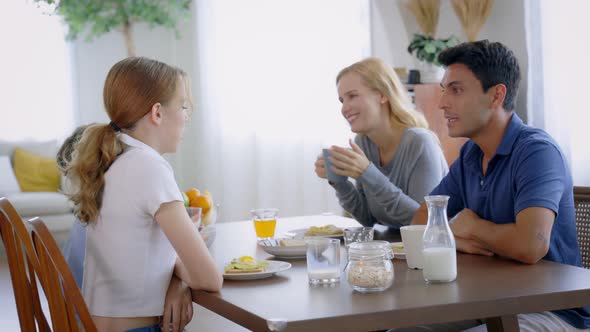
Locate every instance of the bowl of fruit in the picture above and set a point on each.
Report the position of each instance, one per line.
(193, 198)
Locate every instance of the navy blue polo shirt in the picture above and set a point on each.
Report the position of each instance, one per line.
(528, 170)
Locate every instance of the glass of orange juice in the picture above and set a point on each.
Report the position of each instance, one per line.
(265, 222)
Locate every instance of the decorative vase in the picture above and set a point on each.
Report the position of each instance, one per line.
(430, 73)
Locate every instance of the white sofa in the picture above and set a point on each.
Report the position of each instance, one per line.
(53, 207)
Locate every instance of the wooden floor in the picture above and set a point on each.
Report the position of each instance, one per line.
(203, 320)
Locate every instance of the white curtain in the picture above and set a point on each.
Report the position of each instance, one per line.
(559, 76)
(267, 101)
(36, 80)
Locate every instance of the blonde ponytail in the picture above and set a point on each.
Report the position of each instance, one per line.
(94, 154)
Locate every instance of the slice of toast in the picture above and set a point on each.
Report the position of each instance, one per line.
(292, 243)
(260, 269)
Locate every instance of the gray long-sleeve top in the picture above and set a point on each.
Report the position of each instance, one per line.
(390, 195)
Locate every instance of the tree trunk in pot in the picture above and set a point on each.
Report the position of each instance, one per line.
(128, 33)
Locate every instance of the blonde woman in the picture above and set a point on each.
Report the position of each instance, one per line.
(395, 159)
(139, 235)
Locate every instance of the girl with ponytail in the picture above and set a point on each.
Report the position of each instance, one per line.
(139, 236)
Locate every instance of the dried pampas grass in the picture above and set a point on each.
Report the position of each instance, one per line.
(473, 14)
(426, 13)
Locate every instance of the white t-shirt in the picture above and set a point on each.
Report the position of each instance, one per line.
(129, 261)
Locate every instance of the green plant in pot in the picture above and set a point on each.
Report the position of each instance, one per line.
(94, 18)
(426, 49)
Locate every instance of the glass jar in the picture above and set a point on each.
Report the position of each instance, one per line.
(439, 252)
(369, 267)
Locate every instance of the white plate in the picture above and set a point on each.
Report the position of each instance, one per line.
(272, 268)
(272, 247)
(300, 234)
(396, 254)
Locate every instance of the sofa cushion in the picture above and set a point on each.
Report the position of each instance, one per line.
(8, 184)
(32, 204)
(34, 172)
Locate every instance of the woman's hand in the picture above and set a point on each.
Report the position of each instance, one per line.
(351, 163)
(320, 167)
(178, 306)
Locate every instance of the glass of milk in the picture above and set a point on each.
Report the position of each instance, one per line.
(439, 252)
(323, 260)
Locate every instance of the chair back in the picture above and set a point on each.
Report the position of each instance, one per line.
(63, 295)
(22, 265)
(582, 204)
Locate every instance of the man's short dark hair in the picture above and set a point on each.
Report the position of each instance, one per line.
(491, 63)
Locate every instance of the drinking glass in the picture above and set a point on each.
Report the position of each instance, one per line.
(412, 239)
(323, 260)
(265, 222)
(357, 234)
(195, 214)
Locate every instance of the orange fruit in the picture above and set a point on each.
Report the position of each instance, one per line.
(202, 201)
(192, 194)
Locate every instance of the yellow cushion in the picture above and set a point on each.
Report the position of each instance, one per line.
(35, 173)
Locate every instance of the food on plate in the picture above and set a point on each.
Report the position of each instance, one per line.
(291, 242)
(245, 264)
(397, 248)
(323, 231)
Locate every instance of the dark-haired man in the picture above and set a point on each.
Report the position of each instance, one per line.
(511, 191)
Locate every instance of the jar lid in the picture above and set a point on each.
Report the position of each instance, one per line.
(369, 250)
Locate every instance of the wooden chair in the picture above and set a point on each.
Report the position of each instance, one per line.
(22, 265)
(36, 257)
(61, 290)
(582, 205)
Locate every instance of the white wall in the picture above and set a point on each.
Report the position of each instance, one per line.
(392, 28)
(389, 36)
(94, 59)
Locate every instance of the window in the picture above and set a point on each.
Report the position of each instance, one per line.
(268, 100)
(36, 80)
(558, 78)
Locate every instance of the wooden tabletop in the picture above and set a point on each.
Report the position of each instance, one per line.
(486, 287)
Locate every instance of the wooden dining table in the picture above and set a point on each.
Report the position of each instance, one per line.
(489, 288)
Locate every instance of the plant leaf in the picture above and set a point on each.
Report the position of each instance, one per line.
(93, 18)
(430, 48)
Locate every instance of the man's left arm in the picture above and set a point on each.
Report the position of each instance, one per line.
(526, 240)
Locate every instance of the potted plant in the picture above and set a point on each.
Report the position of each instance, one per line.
(97, 17)
(426, 49)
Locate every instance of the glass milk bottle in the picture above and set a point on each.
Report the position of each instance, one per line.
(439, 251)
